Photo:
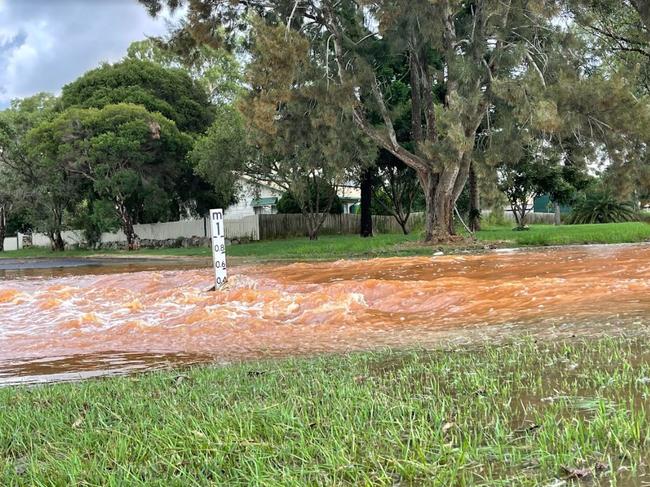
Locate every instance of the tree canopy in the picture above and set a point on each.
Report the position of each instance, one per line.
(29, 187)
(169, 91)
(126, 153)
(451, 60)
(216, 70)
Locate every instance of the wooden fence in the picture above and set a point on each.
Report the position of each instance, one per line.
(295, 225)
(533, 218)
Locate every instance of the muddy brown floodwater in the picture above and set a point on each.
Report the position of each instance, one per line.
(54, 328)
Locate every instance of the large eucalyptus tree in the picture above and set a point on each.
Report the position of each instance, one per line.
(457, 50)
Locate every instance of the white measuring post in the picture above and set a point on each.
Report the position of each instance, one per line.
(218, 241)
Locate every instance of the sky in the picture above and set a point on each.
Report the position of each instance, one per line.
(45, 44)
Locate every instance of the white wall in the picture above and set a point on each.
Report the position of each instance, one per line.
(161, 231)
(248, 193)
(11, 243)
(247, 227)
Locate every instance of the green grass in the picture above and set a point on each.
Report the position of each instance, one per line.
(326, 247)
(332, 247)
(607, 233)
(352, 246)
(510, 415)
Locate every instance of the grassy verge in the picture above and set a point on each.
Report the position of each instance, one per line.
(521, 414)
(352, 246)
(608, 233)
(326, 247)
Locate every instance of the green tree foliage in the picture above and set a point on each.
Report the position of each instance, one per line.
(307, 145)
(618, 36)
(618, 33)
(288, 203)
(216, 70)
(290, 133)
(532, 172)
(396, 189)
(600, 205)
(42, 193)
(129, 155)
(456, 50)
(221, 155)
(94, 216)
(170, 92)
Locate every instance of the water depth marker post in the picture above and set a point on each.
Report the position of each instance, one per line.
(218, 248)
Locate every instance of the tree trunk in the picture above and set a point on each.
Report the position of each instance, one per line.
(366, 203)
(402, 223)
(312, 231)
(474, 201)
(54, 232)
(315, 219)
(444, 202)
(428, 182)
(443, 213)
(557, 217)
(56, 240)
(127, 225)
(520, 215)
(3, 227)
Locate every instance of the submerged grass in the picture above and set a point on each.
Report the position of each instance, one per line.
(522, 414)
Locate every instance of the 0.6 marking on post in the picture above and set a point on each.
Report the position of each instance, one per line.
(218, 242)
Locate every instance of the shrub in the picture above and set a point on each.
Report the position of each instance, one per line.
(289, 204)
(496, 218)
(602, 206)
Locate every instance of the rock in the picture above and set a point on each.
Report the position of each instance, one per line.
(169, 243)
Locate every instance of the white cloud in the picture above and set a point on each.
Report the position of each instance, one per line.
(46, 44)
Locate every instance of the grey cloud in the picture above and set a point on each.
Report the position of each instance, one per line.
(45, 44)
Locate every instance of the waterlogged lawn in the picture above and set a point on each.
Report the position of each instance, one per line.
(522, 414)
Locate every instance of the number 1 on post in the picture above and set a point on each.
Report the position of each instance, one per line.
(218, 238)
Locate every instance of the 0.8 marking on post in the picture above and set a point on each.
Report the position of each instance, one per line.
(218, 247)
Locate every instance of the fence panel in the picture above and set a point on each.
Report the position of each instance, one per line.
(247, 227)
(295, 225)
(533, 218)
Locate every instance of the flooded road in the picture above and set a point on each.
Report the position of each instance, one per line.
(78, 325)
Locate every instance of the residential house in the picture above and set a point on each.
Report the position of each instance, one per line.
(258, 198)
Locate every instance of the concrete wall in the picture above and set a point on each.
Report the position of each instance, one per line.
(11, 243)
(161, 231)
(247, 227)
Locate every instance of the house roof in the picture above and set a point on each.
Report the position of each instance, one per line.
(272, 200)
(349, 199)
